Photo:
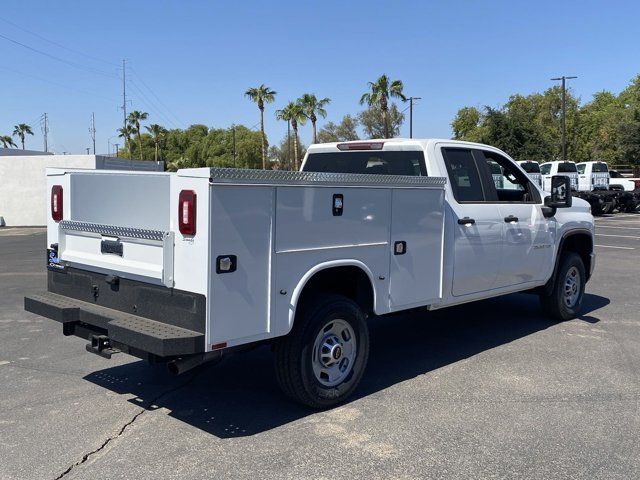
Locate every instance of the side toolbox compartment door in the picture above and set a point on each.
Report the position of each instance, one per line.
(241, 237)
(417, 229)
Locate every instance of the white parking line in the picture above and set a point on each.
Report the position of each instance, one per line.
(618, 236)
(619, 215)
(616, 226)
(611, 246)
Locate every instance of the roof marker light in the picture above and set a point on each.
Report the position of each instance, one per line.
(361, 146)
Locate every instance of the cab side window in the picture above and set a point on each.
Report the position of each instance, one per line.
(545, 169)
(511, 184)
(463, 172)
(581, 167)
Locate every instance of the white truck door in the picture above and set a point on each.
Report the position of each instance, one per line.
(584, 177)
(476, 225)
(526, 236)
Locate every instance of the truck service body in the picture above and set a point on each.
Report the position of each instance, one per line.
(184, 267)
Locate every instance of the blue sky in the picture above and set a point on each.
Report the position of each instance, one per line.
(191, 61)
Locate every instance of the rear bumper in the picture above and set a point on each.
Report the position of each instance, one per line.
(129, 333)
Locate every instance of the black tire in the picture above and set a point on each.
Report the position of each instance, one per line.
(554, 304)
(294, 352)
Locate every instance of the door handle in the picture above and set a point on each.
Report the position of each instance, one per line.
(466, 221)
(510, 219)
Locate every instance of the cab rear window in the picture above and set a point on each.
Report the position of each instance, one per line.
(409, 163)
(531, 167)
(567, 167)
(600, 167)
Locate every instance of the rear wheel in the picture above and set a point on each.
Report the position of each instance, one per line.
(320, 363)
(565, 299)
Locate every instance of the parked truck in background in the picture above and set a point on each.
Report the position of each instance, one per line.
(628, 189)
(533, 170)
(185, 267)
(550, 169)
(593, 186)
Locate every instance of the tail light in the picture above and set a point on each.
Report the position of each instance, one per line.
(187, 212)
(56, 202)
(637, 182)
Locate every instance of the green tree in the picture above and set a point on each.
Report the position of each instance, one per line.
(293, 113)
(282, 155)
(467, 124)
(7, 141)
(157, 133)
(312, 108)
(126, 132)
(134, 119)
(21, 130)
(262, 95)
(378, 96)
(342, 132)
(377, 124)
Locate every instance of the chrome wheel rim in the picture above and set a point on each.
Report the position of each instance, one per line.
(572, 285)
(334, 353)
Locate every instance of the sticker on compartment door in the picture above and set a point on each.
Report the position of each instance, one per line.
(112, 247)
(53, 261)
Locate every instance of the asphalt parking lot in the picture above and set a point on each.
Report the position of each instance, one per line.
(489, 390)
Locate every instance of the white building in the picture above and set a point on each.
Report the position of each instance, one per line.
(23, 199)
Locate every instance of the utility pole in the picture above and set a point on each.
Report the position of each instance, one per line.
(92, 131)
(233, 133)
(564, 114)
(45, 131)
(411, 99)
(88, 150)
(117, 145)
(124, 94)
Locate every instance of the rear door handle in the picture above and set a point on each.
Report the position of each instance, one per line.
(510, 219)
(466, 221)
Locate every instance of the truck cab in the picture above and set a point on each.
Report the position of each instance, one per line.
(592, 176)
(533, 170)
(568, 169)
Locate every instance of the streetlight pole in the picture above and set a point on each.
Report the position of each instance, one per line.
(564, 79)
(411, 99)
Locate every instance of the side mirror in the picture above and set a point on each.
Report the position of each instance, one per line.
(560, 192)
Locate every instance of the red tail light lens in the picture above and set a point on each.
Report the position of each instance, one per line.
(56, 202)
(187, 212)
(637, 182)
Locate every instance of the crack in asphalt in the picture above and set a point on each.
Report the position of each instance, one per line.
(145, 409)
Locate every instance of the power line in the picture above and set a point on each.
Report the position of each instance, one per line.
(156, 97)
(153, 106)
(56, 84)
(56, 43)
(67, 62)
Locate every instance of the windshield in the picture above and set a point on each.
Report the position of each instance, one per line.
(567, 167)
(371, 162)
(530, 167)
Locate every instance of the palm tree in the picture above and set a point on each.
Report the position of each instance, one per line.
(21, 130)
(134, 120)
(293, 113)
(126, 133)
(157, 132)
(378, 95)
(312, 107)
(7, 141)
(262, 95)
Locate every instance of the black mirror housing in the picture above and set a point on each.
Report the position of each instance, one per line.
(560, 192)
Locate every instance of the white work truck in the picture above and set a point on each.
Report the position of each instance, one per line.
(185, 267)
(533, 170)
(568, 169)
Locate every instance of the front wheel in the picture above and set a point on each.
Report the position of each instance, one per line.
(565, 299)
(321, 361)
